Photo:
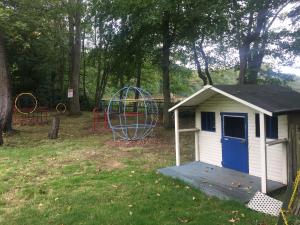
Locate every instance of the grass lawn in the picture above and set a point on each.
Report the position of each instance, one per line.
(82, 178)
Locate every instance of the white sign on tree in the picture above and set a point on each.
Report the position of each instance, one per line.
(70, 93)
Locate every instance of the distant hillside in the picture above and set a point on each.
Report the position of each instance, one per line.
(296, 83)
(225, 76)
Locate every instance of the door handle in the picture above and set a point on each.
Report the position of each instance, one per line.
(243, 141)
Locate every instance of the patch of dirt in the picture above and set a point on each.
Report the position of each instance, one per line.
(155, 142)
(104, 159)
(98, 130)
(111, 165)
(10, 195)
(11, 198)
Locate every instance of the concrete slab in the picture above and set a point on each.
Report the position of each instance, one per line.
(218, 181)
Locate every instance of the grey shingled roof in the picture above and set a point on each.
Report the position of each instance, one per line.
(273, 98)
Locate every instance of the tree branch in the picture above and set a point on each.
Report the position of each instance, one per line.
(275, 16)
(197, 63)
(206, 63)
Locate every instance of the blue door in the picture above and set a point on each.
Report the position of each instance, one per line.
(235, 141)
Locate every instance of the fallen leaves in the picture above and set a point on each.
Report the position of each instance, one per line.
(236, 185)
(233, 220)
(236, 216)
(183, 220)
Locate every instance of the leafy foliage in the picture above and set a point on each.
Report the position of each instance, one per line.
(121, 36)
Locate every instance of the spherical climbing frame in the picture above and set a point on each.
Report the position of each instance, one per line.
(132, 114)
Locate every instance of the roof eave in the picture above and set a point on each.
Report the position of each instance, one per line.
(206, 87)
(257, 108)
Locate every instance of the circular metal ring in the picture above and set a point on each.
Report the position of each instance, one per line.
(64, 108)
(24, 94)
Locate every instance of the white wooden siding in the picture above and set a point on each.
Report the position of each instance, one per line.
(211, 147)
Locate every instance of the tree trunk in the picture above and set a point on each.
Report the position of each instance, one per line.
(97, 94)
(8, 128)
(5, 90)
(52, 90)
(1, 137)
(71, 42)
(85, 97)
(243, 55)
(62, 73)
(100, 65)
(197, 63)
(103, 84)
(99, 78)
(84, 66)
(254, 65)
(252, 46)
(75, 75)
(139, 71)
(138, 80)
(206, 63)
(166, 51)
(121, 84)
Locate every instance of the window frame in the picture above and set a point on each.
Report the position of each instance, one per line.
(234, 116)
(271, 126)
(208, 121)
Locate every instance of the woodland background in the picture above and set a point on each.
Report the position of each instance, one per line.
(166, 47)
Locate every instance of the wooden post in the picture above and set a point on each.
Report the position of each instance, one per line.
(290, 154)
(197, 157)
(177, 144)
(197, 125)
(53, 133)
(298, 147)
(293, 150)
(263, 153)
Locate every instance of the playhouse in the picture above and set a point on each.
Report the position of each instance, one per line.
(244, 128)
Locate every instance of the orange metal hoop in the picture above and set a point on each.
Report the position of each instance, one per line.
(64, 108)
(34, 99)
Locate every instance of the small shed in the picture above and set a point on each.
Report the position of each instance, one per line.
(253, 129)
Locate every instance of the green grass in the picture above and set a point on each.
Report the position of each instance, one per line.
(80, 179)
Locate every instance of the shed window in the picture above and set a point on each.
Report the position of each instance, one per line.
(234, 126)
(271, 126)
(208, 121)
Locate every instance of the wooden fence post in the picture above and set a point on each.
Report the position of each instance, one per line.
(53, 133)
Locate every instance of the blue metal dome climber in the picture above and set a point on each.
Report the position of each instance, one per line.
(132, 114)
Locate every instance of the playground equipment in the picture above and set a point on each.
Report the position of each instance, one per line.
(132, 114)
(27, 112)
(61, 108)
(97, 119)
(26, 98)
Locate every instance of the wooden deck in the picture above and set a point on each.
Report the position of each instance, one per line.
(218, 181)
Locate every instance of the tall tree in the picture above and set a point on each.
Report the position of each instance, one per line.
(75, 48)
(165, 61)
(204, 24)
(5, 91)
(251, 25)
